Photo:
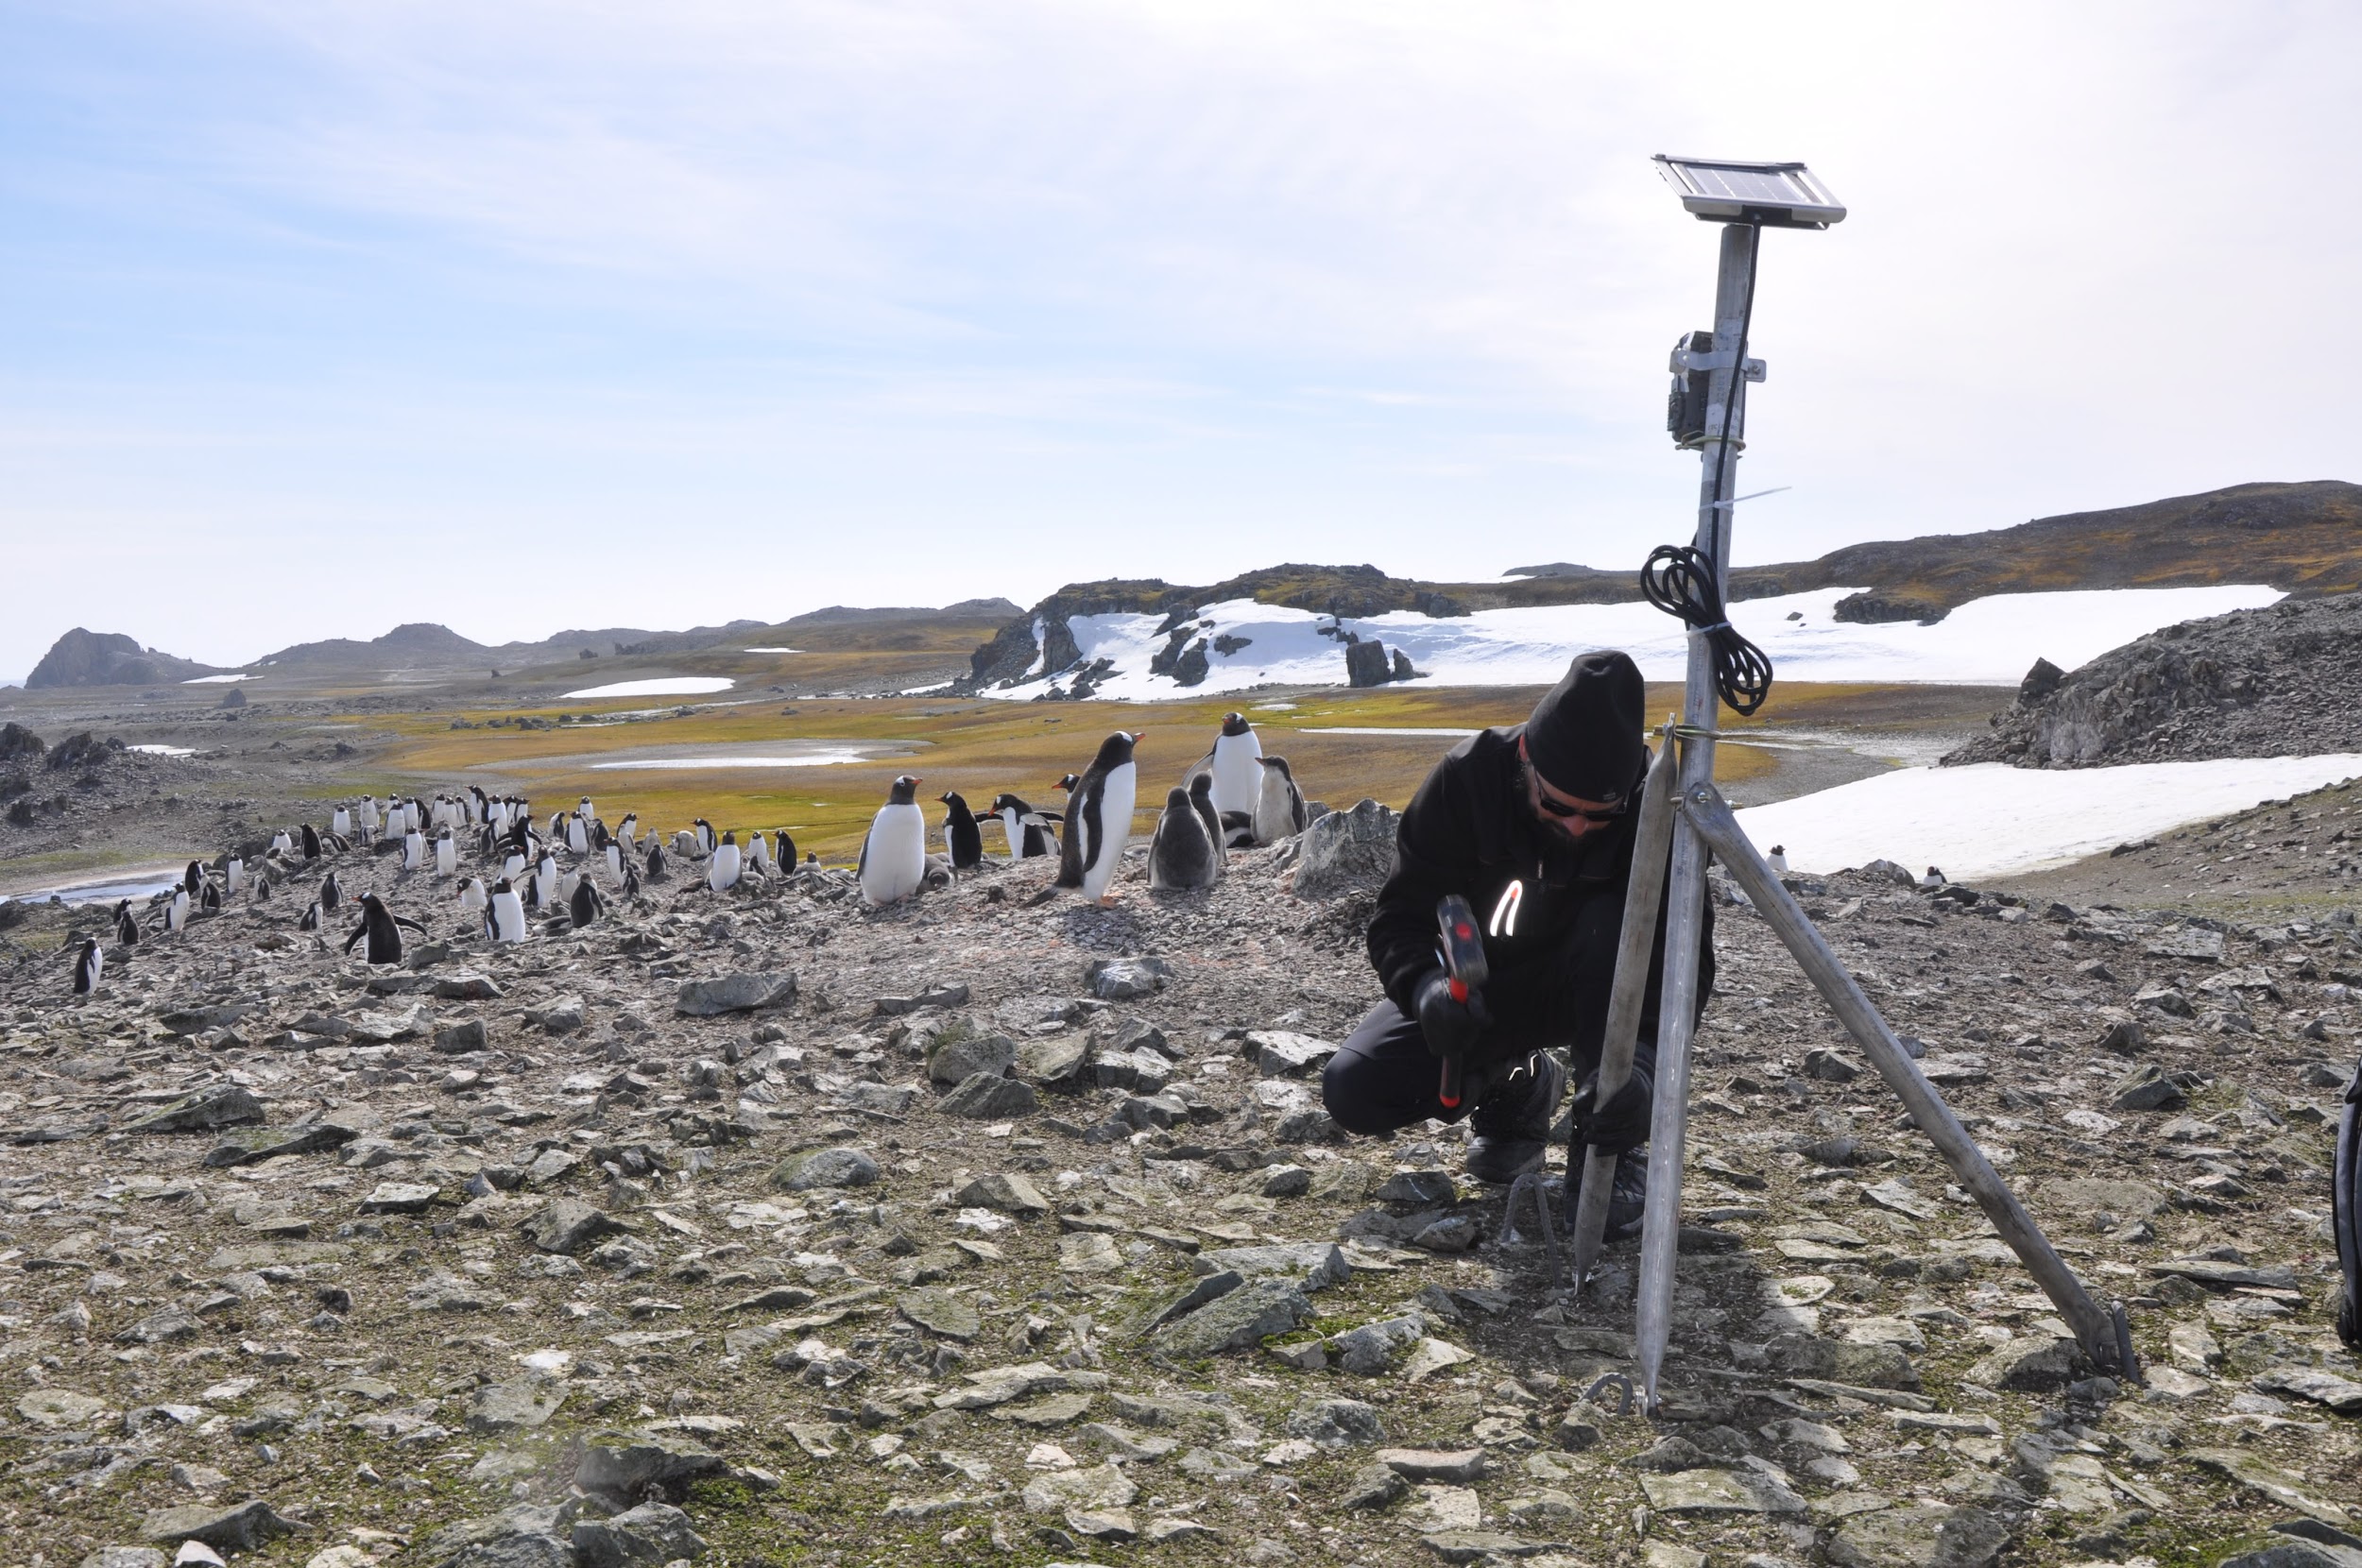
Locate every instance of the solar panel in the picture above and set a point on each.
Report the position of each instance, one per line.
(1723, 189)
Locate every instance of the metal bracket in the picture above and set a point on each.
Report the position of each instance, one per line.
(1715, 359)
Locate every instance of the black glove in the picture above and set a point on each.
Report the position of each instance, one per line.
(1622, 1123)
(1450, 1027)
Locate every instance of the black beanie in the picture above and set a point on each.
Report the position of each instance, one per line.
(1583, 738)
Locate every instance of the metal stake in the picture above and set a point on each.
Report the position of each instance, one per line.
(2097, 1329)
(1660, 1228)
(1644, 895)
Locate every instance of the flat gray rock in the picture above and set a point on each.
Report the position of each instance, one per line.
(240, 1527)
(826, 1167)
(1123, 980)
(644, 1537)
(2028, 1365)
(1337, 1424)
(269, 1143)
(989, 1097)
(1005, 1191)
(941, 1312)
(742, 993)
(957, 1058)
(1312, 1265)
(215, 1105)
(628, 1464)
(518, 1407)
(1237, 1321)
(1280, 1054)
(568, 1225)
(1921, 1535)
(1719, 1492)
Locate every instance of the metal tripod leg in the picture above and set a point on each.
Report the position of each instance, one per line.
(1644, 895)
(2098, 1330)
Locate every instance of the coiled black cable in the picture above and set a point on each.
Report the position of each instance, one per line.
(1679, 580)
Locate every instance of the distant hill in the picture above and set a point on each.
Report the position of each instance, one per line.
(2302, 539)
(83, 657)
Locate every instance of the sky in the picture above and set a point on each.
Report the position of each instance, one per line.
(320, 316)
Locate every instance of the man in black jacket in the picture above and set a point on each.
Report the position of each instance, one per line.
(1534, 826)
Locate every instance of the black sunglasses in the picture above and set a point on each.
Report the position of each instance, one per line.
(1558, 809)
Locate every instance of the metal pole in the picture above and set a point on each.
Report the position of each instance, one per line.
(2099, 1331)
(1644, 895)
(1660, 1232)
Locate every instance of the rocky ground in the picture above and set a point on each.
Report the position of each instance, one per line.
(2282, 681)
(758, 1227)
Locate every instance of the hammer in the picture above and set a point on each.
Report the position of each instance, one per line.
(1460, 947)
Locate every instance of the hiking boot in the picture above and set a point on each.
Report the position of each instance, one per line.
(1627, 1193)
(1511, 1123)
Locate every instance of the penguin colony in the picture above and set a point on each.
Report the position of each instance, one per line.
(1233, 797)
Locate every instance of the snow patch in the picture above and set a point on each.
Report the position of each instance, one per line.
(771, 650)
(154, 749)
(663, 686)
(808, 759)
(1992, 820)
(216, 680)
(1989, 641)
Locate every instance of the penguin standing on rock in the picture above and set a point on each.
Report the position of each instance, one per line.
(1202, 802)
(413, 849)
(505, 916)
(1182, 856)
(382, 927)
(446, 853)
(961, 835)
(757, 854)
(578, 835)
(89, 965)
(310, 919)
(894, 856)
(783, 849)
(586, 905)
(722, 869)
(209, 901)
(331, 894)
(340, 822)
(1100, 823)
(312, 841)
(656, 861)
(126, 927)
(234, 872)
(1280, 812)
(615, 859)
(471, 894)
(704, 830)
(176, 913)
(1238, 782)
(1028, 832)
(193, 879)
(629, 832)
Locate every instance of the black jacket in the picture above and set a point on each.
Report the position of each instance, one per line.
(1469, 830)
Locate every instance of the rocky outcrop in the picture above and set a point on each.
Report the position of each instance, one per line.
(2282, 681)
(83, 657)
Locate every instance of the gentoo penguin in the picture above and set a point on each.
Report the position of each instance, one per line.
(687, 845)
(723, 868)
(1182, 855)
(631, 881)
(446, 854)
(233, 873)
(705, 836)
(341, 823)
(600, 837)
(586, 905)
(630, 829)
(413, 849)
(126, 927)
(194, 877)
(1778, 860)
(545, 883)
(894, 856)
(783, 849)
(382, 927)
(471, 894)
(369, 816)
(513, 864)
(578, 835)
(656, 861)
(1279, 804)
(312, 840)
(615, 859)
(209, 901)
(331, 894)
(1238, 782)
(758, 853)
(1028, 832)
(558, 827)
(1933, 881)
(413, 814)
(176, 913)
(961, 835)
(505, 916)
(88, 965)
(310, 919)
(1202, 802)
(283, 842)
(1099, 825)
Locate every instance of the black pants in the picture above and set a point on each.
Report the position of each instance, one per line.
(1384, 1077)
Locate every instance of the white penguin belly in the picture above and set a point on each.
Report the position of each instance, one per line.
(1238, 776)
(895, 861)
(722, 871)
(1115, 829)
